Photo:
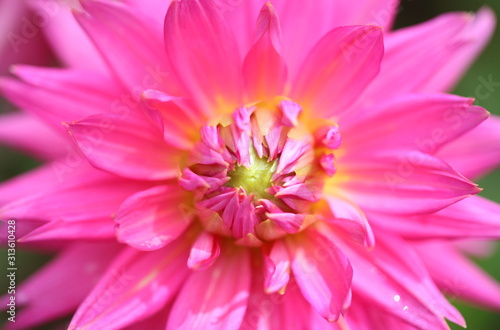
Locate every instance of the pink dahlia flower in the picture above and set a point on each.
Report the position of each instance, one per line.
(251, 165)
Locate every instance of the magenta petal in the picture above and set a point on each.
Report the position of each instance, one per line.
(205, 54)
(204, 252)
(277, 272)
(70, 201)
(72, 230)
(136, 285)
(46, 176)
(300, 35)
(245, 219)
(264, 70)
(337, 57)
(57, 95)
(323, 274)
(477, 152)
(292, 152)
(291, 112)
(134, 54)
(459, 277)
(359, 316)
(393, 278)
(150, 219)
(430, 57)
(175, 118)
(30, 134)
(155, 9)
(215, 298)
(289, 222)
(350, 220)
(473, 217)
(64, 34)
(59, 287)
(156, 321)
(283, 311)
(14, 47)
(422, 122)
(130, 148)
(403, 182)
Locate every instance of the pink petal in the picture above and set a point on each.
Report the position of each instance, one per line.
(31, 135)
(175, 118)
(22, 185)
(278, 268)
(240, 135)
(59, 287)
(204, 252)
(475, 248)
(70, 230)
(378, 12)
(158, 320)
(134, 54)
(361, 317)
(136, 285)
(299, 36)
(70, 201)
(56, 95)
(264, 70)
(282, 311)
(23, 228)
(393, 279)
(476, 35)
(245, 219)
(129, 148)
(458, 277)
(432, 56)
(290, 155)
(322, 272)
(350, 55)
(215, 298)
(477, 152)
(402, 182)
(473, 217)
(151, 219)
(350, 219)
(15, 47)
(65, 40)
(422, 122)
(156, 9)
(269, 230)
(205, 54)
(329, 136)
(289, 222)
(291, 112)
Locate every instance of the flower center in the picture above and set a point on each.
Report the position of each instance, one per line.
(259, 177)
(256, 178)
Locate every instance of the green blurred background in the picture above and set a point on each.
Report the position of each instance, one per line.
(412, 12)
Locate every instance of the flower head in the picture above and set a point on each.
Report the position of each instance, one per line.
(263, 165)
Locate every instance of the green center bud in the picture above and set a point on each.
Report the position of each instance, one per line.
(256, 178)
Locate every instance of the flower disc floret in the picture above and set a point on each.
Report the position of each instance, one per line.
(259, 177)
